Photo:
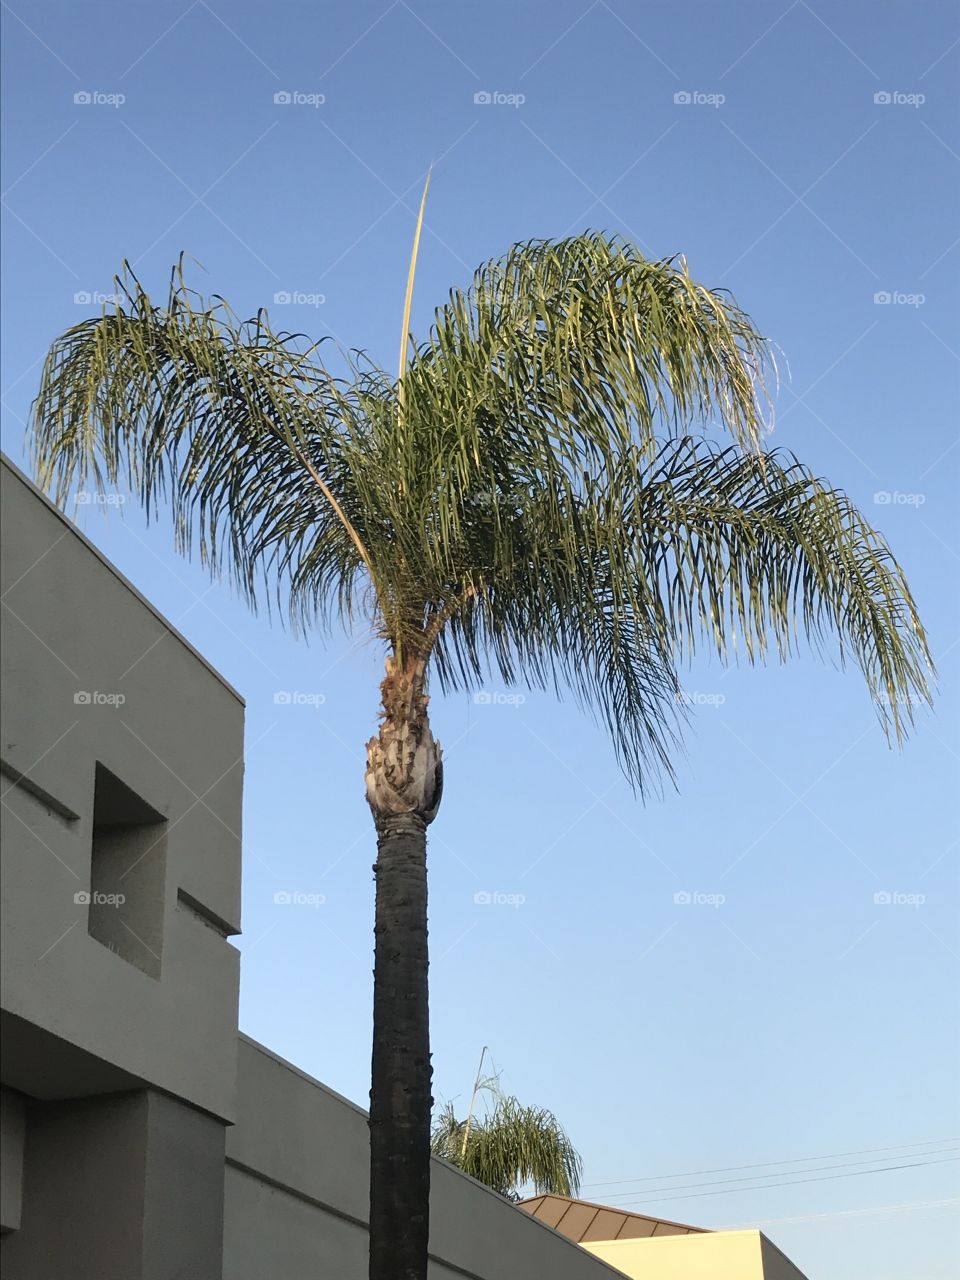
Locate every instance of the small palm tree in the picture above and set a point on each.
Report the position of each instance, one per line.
(528, 497)
(508, 1147)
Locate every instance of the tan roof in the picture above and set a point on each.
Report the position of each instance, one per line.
(583, 1222)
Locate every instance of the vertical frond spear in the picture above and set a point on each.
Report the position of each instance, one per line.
(543, 493)
(411, 274)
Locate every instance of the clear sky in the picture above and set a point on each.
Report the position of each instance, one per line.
(783, 1012)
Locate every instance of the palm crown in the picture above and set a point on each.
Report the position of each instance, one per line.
(510, 1146)
(525, 497)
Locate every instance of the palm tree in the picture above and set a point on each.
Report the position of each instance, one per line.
(530, 497)
(509, 1146)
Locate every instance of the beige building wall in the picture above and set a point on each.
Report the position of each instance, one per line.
(714, 1255)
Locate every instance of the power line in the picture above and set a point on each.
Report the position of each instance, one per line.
(735, 1168)
(758, 1177)
(877, 1211)
(830, 1177)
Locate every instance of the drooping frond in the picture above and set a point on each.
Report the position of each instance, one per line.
(254, 444)
(509, 1147)
(553, 603)
(607, 591)
(759, 552)
(585, 347)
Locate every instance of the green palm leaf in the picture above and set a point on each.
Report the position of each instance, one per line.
(511, 1146)
(535, 510)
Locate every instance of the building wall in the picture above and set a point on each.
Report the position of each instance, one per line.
(77, 639)
(714, 1255)
(297, 1187)
(127, 1186)
(12, 1134)
(776, 1265)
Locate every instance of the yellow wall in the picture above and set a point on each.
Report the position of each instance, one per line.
(715, 1255)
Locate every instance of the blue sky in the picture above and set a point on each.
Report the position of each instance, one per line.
(781, 1012)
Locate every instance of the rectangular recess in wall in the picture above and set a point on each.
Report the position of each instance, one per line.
(127, 873)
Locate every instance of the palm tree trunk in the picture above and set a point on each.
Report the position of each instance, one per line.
(400, 1100)
(404, 782)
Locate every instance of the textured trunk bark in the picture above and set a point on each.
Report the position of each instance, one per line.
(404, 782)
(400, 1098)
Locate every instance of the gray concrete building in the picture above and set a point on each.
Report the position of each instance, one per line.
(143, 1137)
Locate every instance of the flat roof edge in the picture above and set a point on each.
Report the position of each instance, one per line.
(24, 479)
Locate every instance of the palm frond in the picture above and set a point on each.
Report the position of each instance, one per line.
(760, 552)
(585, 346)
(239, 427)
(509, 1147)
(608, 591)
